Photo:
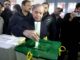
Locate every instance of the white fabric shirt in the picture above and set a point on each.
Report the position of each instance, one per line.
(38, 27)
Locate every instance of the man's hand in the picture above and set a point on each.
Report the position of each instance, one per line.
(31, 34)
(72, 15)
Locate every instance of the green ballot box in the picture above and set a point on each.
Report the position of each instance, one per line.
(46, 50)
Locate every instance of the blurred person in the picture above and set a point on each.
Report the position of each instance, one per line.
(6, 15)
(39, 26)
(16, 8)
(1, 19)
(70, 33)
(55, 25)
(19, 18)
(46, 7)
(7, 4)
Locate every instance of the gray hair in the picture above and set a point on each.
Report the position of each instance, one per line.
(36, 5)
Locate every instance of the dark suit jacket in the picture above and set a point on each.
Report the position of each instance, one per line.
(54, 28)
(70, 31)
(6, 15)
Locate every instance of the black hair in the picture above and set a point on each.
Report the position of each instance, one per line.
(61, 10)
(77, 5)
(46, 3)
(25, 1)
(17, 7)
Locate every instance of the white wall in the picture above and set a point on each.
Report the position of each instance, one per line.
(33, 1)
(38, 1)
(19, 1)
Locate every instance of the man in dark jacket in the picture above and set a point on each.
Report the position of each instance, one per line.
(70, 32)
(6, 15)
(46, 7)
(19, 18)
(40, 28)
(55, 25)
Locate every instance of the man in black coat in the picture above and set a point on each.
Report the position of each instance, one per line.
(6, 15)
(70, 32)
(19, 18)
(55, 26)
(46, 8)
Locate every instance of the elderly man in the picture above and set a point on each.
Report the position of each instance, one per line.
(38, 25)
